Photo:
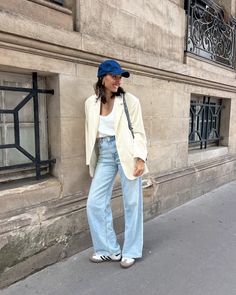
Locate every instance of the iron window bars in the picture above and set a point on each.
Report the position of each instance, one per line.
(59, 2)
(209, 35)
(205, 122)
(32, 94)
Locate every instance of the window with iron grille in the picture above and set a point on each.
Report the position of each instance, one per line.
(210, 32)
(23, 126)
(204, 123)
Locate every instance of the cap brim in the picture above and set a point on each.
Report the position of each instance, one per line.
(125, 74)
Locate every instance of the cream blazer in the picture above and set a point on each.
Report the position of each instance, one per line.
(128, 148)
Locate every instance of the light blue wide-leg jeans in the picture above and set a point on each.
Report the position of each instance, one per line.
(98, 205)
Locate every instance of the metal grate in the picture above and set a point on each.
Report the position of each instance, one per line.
(204, 125)
(209, 33)
(60, 2)
(32, 95)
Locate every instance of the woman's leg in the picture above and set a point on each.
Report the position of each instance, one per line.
(98, 205)
(133, 209)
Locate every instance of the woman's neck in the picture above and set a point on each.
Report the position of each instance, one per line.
(108, 96)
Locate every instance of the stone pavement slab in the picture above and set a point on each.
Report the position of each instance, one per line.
(190, 250)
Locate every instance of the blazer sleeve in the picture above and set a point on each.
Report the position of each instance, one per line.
(140, 141)
(86, 133)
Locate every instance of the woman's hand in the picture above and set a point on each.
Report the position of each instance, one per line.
(139, 167)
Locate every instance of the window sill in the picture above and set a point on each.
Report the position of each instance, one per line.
(196, 156)
(17, 195)
(52, 6)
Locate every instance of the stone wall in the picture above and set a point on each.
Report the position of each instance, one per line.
(44, 222)
(148, 26)
(41, 11)
(228, 5)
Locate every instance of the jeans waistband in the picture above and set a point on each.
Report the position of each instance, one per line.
(106, 138)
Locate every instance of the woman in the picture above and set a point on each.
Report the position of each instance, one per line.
(112, 146)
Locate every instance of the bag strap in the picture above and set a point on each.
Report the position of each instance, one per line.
(128, 116)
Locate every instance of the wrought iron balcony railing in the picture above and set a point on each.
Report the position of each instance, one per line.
(209, 34)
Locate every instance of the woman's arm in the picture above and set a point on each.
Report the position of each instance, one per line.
(140, 142)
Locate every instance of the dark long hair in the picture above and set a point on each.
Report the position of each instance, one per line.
(100, 91)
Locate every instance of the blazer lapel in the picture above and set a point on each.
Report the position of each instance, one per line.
(119, 108)
(95, 116)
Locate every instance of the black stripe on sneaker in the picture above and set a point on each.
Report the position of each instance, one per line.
(105, 258)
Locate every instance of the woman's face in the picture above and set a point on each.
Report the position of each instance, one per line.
(112, 82)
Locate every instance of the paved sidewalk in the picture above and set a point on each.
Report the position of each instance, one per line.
(190, 250)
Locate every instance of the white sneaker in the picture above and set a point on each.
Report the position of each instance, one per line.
(102, 258)
(127, 262)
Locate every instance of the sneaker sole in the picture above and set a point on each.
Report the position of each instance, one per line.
(126, 265)
(100, 261)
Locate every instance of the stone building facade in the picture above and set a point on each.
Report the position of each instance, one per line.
(187, 91)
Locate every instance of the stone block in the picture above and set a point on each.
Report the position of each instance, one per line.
(111, 28)
(214, 172)
(181, 103)
(77, 243)
(30, 265)
(151, 211)
(232, 144)
(168, 203)
(155, 45)
(148, 127)
(104, 48)
(161, 131)
(29, 62)
(164, 14)
(197, 66)
(178, 2)
(196, 156)
(165, 43)
(169, 36)
(73, 92)
(162, 101)
(125, 22)
(166, 130)
(64, 206)
(39, 13)
(134, 8)
(53, 101)
(54, 134)
(88, 73)
(141, 80)
(15, 220)
(184, 196)
(227, 5)
(27, 195)
(145, 95)
(180, 157)
(160, 158)
(34, 247)
(72, 137)
(169, 185)
(205, 187)
(75, 176)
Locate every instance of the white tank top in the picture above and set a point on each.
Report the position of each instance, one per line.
(106, 125)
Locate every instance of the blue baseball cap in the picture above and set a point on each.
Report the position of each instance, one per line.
(112, 67)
